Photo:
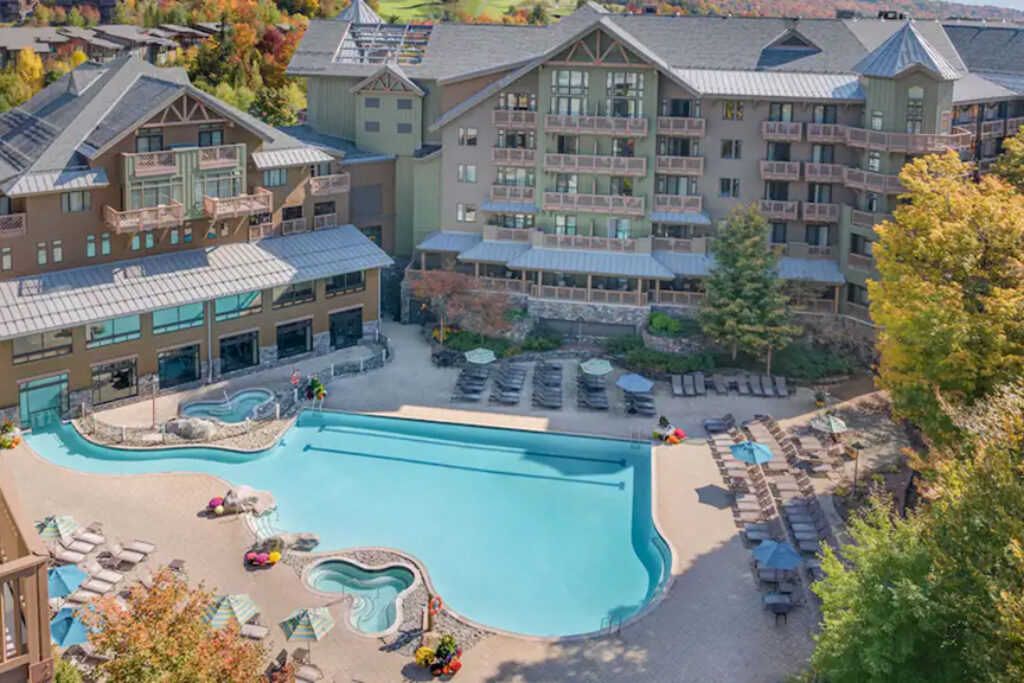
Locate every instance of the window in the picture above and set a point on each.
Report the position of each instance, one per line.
(915, 109)
(154, 193)
(41, 254)
(680, 107)
(877, 121)
(778, 151)
(625, 91)
(38, 346)
(776, 190)
(856, 294)
(679, 147)
(404, 128)
(816, 235)
(567, 144)
(404, 103)
(565, 225)
(513, 139)
(618, 228)
(517, 101)
(136, 242)
(372, 103)
(871, 202)
(323, 208)
(114, 381)
(675, 185)
(778, 233)
(824, 113)
(224, 185)
(728, 187)
(320, 169)
(875, 161)
(622, 186)
(859, 244)
(467, 137)
(211, 138)
(275, 177)
(178, 366)
(73, 202)
(465, 213)
(294, 338)
(731, 149)
(149, 141)
(56, 251)
(569, 91)
(5, 206)
(237, 306)
(371, 126)
(780, 111)
(6, 259)
(467, 173)
(177, 318)
(293, 295)
(105, 244)
(187, 235)
(374, 233)
(346, 283)
(239, 351)
(516, 177)
(566, 182)
(819, 193)
(90, 246)
(175, 235)
(514, 220)
(623, 147)
(823, 154)
(732, 110)
(113, 331)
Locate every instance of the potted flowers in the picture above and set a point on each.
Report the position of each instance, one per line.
(315, 389)
(10, 436)
(444, 660)
(820, 398)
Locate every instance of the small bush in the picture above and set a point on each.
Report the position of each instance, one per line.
(513, 314)
(541, 342)
(467, 341)
(649, 360)
(65, 672)
(664, 325)
(623, 345)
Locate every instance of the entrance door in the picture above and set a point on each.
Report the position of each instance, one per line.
(43, 401)
(346, 328)
(240, 351)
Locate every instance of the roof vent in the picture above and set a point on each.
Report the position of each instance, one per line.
(891, 15)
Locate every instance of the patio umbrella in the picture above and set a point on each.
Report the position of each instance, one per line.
(308, 623)
(62, 581)
(751, 452)
(66, 630)
(634, 384)
(55, 528)
(830, 424)
(596, 366)
(238, 608)
(480, 356)
(774, 555)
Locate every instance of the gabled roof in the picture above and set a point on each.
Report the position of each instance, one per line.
(358, 12)
(391, 78)
(904, 50)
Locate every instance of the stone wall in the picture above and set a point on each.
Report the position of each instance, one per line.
(842, 334)
(684, 345)
(590, 312)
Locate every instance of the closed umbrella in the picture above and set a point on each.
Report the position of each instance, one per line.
(308, 623)
(596, 366)
(63, 581)
(55, 528)
(773, 555)
(751, 452)
(480, 356)
(238, 608)
(634, 384)
(66, 630)
(830, 424)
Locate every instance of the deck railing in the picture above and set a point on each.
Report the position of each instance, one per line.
(681, 126)
(150, 218)
(828, 133)
(596, 125)
(674, 298)
(687, 166)
(861, 262)
(823, 173)
(261, 201)
(678, 203)
(594, 203)
(866, 219)
(782, 131)
(597, 164)
(780, 210)
(501, 284)
(806, 251)
(913, 143)
(816, 212)
(816, 305)
(607, 296)
(780, 170)
(513, 156)
(334, 183)
(992, 129)
(514, 118)
(293, 226)
(12, 225)
(261, 231)
(589, 242)
(325, 220)
(681, 245)
(512, 193)
(859, 311)
(222, 156)
(153, 163)
(1013, 124)
(858, 179)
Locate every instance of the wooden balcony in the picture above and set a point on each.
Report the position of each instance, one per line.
(222, 156)
(512, 193)
(335, 183)
(262, 201)
(806, 251)
(630, 246)
(815, 305)
(325, 220)
(823, 173)
(814, 212)
(678, 203)
(1013, 124)
(514, 118)
(138, 220)
(514, 156)
(861, 262)
(910, 143)
(596, 125)
(261, 231)
(782, 131)
(681, 126)
(826, 133)
(858, 311)
(494, 232)
(12, 225)
(146, 164)
(293, 226)
(992, 129)
(594, 203)
(685, 166)
(870, 181)
(597, 164)
(780, 170)
(673, 298)
(680, 245)
(866, 219)
(779, 210)
(606, 296)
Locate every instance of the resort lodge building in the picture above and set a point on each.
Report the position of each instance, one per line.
(586, 166)
(153, 238)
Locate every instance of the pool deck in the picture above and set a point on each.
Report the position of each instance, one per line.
(711, 625)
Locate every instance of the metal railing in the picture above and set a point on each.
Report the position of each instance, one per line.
(594, 203)
(823, 173)
(595, 125)
(817, 212)
(671, 165)
(292, 226)
(512, 193)
(514, 118)
(590, 242)
(681, 245)
(334, 183)
(829, 133)
(780, 170)
(681, 126)
(594, 163)
(150, 218)
(678, 203)
(782, 210)
(784, 131)
(12, 225)
(261, 201)
(514, 156)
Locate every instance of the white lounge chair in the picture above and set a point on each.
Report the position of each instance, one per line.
(89, 537)
(141, 547)
(108, 575)
(254, 631)
(76, 546)
(97, 586)
(66, 556)
(118, 552)
(308, 673)
(82, 596)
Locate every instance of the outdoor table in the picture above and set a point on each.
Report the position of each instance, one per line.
(778, 599)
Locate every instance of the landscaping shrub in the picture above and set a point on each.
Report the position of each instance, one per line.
(467, 341)
(799, 360)
(513, 314)
(622, 345)
(664, 325)
(536, 341)
(650, 360)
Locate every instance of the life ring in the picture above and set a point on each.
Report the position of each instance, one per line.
(296, 378)
(435, 605)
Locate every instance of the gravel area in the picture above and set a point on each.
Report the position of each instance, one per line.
(261, 435)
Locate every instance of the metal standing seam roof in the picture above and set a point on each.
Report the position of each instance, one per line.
(592, 261)
(492, 251)
(446, 240)
(812, 270)
(1012, 82)
(813, 86)
(359, 12)
(284, 158)
(509, 207)
(693, 265)
(685, 218)
(58, 181)
(905, 49)
(79, 296)
(972, 87)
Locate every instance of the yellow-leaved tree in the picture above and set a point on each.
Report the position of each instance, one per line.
(29, 68)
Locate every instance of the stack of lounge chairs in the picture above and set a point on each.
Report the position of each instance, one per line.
(470, 384)
(747, 384)
(508, 384)
(639, 403)
(690, 384)
(547, 386)
(592, 392)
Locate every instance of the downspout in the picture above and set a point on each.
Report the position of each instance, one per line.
(379, 299)
(209, 342)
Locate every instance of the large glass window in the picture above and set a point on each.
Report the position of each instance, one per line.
(293, 295)
(237, 305)
(38, 346)
(177, 318)
(825, 113)
(211, 138)
(625, 93)
(346, 283)
(72, 202)
(225, 185)
(518, 101)
(780, 111)
(113, 331)
(915, 109)
(346, 328)
(819, 193)
(239, 351)
(569, 91)
(154, 193)
(516, 177)
(149, 141)
(294, 338)
(178, 366)
(114, 381)
(565, 225)
(275, 177)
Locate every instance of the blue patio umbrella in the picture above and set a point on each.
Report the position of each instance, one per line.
(751, 452)
(634, 384)
(774, 555)
(66, 630)
(62, 581)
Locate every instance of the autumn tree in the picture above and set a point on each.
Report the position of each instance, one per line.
(1010, 164)
(160, 637)
(950, 299)
(746, 307)
(29, 68)
(447, 292)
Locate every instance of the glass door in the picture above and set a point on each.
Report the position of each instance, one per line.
(346, 328)
(43, 401)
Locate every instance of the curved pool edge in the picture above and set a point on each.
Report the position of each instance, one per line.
(288, 424)
(271, 397)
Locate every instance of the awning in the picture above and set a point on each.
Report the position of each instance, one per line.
(285, 158)
(692, 265)
(494, 252)
(591, 261)
(813, 270)
(449, 241)
(58, 181)
(509, 207)
(687, 218)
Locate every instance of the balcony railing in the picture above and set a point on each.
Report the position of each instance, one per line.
(673, 298)
(514, 118)
(153, 163)
(780, 170)
(325, 220)
(992, 129)
(293, 226)
(594, 203)
(861, 262)
(262, 201)
(492, 232)
(501, 284)
(222, 156)
(512, 193)
(816, 305)
(150, 218)
(1013, 124)
(607, 296)
(682, 245)
(858, 311)
(687, 166)
(886, 183)
(815, 212)
(782, 131)
(678, 203)
(779, 210)
(807, 251)
(823, 173)
(828, 133)
(335, 183)
(913, 143)
(866, 219)
(513, 156)
(588, 242)
(596, 125)
(12, 225)
(261, 231)
(681, 126)
(592, 163)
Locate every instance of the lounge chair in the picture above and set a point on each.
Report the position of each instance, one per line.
(77, 546)
(109, 575)
(721, 386)
(780, 387)
(60, 554)
(743, 386)
(90, 537)
(138, 546)
(255, 631)
(123, 556)
(755, 385)
(308, 673)
(700, 383)
(677, 385)
(89, 651)
(766, 385)
(688, 387)
(97, 586)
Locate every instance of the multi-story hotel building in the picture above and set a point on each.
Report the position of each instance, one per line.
(152, 237)
(586, 165)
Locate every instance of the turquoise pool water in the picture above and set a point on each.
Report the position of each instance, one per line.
(535, 533)
(373, 591)
(234, 409)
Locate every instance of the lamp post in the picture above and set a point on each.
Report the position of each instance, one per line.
(856, 446)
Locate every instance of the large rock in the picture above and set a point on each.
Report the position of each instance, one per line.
(305, 541)
(191, 428)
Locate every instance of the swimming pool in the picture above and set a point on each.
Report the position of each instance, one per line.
(375, 592)
(234, 409)
(530, 532)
